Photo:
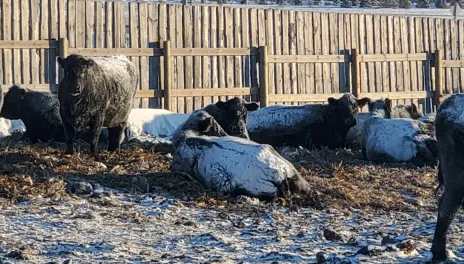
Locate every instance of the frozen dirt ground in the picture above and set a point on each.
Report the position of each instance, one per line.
(370, 213)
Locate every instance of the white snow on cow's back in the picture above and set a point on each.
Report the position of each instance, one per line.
(8, 127)
(153, 122)
(392, 136)
(115, 65)
(280, 118)
(230, 163)
(456, 110)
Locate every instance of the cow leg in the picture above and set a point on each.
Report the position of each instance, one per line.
(114, 137)
(94, 132)
(70, 134)
(448, 206)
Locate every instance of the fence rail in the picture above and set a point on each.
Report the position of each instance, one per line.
(264, 59)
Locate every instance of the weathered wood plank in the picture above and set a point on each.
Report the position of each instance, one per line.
(461, 53)
(279, 85)
(377, 49)
(180, 60)
(405, 49)
(214, 43)
(221, 35)
(292, 50)
(109, 25)
(206, 70)
(412, 49)
(299, 40)
(198, 101)
(188, 43)
(334, 68)
(89, 23)
(154, 62)
(25, 60)
(318, 51)
(99, 25)
(134, 41)
(45, 34)
(285, 51)
(229, 43)
(35, 59)
(143, 41)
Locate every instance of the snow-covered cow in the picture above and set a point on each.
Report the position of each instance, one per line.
(450, 136)
(353, 138)
(230, 164)
(312, 125)
(96, 92)
(39, 112)
(397, 140)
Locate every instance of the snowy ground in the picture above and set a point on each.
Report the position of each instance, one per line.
(124, 228)
(386, 214)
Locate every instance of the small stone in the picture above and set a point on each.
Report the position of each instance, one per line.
(387, 240)
(321, 257)
(79, 187)
(371, 250)
(140, 184)
(68, 261)
(332, 235)
(16, 254)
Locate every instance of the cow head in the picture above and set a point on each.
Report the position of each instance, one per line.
(75, 69)
(413, 111)
(381, 107)
(232, 115)
(12, 102)
(347, 107)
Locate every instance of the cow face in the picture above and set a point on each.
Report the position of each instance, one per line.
(75, 69)
(207, 126)
(382, 107)
(233, 115)
(13, 101)
(347, 107)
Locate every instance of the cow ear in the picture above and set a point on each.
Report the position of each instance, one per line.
(221, 105)
(362, 102)
(252, 106)
(414, 111)
(205, 124)
(61, 61)
(22, 92)
(332, 101)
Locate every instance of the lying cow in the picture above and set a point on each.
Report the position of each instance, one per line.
(96, 92)
(450, 136)
(397, 140)
(313, 125)
(233, 165)
(40, 113)
(353, 138)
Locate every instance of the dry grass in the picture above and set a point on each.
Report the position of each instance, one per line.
(341, 178)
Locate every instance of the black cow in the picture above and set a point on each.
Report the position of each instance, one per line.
(449, 125)
(312, 125)
(96, 92)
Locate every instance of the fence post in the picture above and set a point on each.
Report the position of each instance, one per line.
(263, 76)
(63, 52)
(355, 72)
(438, 77)
(168, 74)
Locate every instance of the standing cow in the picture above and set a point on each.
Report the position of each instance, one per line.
(312, 125)
(449, 123)
(96, 92)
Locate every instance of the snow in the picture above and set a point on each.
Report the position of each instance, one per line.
(455, 110)
(395, 138)
(135, 228)
(282, 119)
(8, 127)
(228, 164)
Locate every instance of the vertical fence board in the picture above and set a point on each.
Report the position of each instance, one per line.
(214, 44)
(419, 49)
(362, 50)
(35, 59)
(171, 36)
(238, 44)
(318, 50)
(347, 46)
(377, 50)
(229, 44)
(197, 60)
(447, 55)
(206, 70)
(162, 37)
(300, 42)
(342, 74)
(454, 56)
(370, 67)
(461, 53)
(285, 51)
(180, 101)
(293, 40)
(7, 53)
(405, 49)
(44, 34)
(325, 50)
(153, 62)
(99, 25)
(222, 74)
(412, 49)
(188, 43)
(143, 41)
(384, 50)
(109, 25)
(278, 86)
(134, 41)
(270, 41)
(16, 18)
(26, 69)
(334, 67)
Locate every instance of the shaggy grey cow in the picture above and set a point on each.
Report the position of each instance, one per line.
(449, 125)
(353, 138)
(232, 165)
(312, 125)
(397, 140)
(40, 113)
(96, 92)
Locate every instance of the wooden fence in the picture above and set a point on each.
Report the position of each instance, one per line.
(139, 30)
(261, 92)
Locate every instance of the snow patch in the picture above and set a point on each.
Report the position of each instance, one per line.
(8, 127)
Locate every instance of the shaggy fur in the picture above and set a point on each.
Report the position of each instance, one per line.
(312, 125)
(40, 113)
(96, 92)
(449, 125)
